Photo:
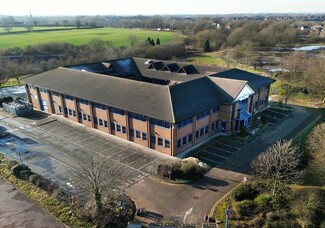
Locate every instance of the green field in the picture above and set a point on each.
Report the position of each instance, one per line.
(118, 37)
(37, 28)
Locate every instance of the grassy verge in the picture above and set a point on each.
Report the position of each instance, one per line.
(11, 82)
(58, 209)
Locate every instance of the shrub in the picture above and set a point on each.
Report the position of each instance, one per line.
(245, 207)
(244, 191)
(263, 201)
(24, 174)
(163, 169)
(33, 178)
(18, 168)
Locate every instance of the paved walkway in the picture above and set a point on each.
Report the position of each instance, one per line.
(17, 210)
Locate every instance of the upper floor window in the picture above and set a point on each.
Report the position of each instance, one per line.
(55, 93)
(68, 97)
(117, 111)
(202, 115)
(185, 122)
(82, 101)
(137, 116)
(99, 106)
(216, 109)
(160, 123)
(242, 105)
(42, 90)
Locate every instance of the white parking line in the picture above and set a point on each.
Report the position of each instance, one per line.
(127, 155)
(228, 145)
(216, 162)
(83, 139)
(222, 149)
(92, 142)
(214, 154)
(94, 148)
(137, 160)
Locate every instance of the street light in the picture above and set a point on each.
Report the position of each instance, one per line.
(19, 154)
(227, 214)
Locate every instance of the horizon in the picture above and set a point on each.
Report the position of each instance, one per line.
(170, 7)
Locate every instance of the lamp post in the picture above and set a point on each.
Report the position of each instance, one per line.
(227, 214)
(19, 154)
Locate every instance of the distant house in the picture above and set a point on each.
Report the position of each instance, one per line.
(304, 28)
(167, 106)
(317, 28)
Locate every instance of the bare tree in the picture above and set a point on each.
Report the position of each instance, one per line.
(316, 147)
(315, 72)
(292, 79)
(280, 163)
(98, 175)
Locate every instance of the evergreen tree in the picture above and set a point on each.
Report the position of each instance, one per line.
(158, 41)
(152, 42)
(206, 46)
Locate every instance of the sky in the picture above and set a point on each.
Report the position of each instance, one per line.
(156, 7)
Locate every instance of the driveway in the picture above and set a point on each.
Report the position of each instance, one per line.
(17, 210)
(165, 201)
(173, 201)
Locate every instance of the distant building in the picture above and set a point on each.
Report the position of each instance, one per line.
(166, 106)
(304, 28)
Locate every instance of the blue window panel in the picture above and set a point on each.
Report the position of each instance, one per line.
(113, 126)
(144, 136)
(184, 140)
(89, 118)
(160, 141)
(105, 123)
(118, 128)
(189, 138)
(202, 115)
(167, 143)
(95, 120)
(179, 143)
(185, 123)
(153, 139)
(117, 111)
(100, 122)
(206, 130)
(138, 134)
(131, 132)
(137, 116)
(160, 123)
(123, 130)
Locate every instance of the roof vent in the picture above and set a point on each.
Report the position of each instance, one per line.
(148, 61)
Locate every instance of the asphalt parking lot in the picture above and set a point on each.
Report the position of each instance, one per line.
(223, 147)
(57, 144)
(219, 150)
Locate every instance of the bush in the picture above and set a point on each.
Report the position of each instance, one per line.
(33, 178)
(245, 207)
(244, 191)
(18, 168)
(263, 201)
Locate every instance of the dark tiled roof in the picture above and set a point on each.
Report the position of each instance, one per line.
(255, 81)
(143, 98)
(196, 96)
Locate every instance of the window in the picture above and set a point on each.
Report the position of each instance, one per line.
(68, 97)
(99, 106)
(202, 115)
(197, 133)
(189, 138)
(60, 109)
(80, 115)
(82, 101)
(201, 131)
(216, 124)
(206, 130)
(160, 141)
(66, 111)
(118, 128)
(123, 130)
(131, 131)
(137, 116)
(55, 94)
(137, 134)
(95, 120)
(185, 122)
(84, 116)
(167, 143)
(144, 136)
(113, 126)
(74, 113)
(100, 122)
(105, 123)
(216, 109)
(184, 140)
(179, 143)
(212, 126)
(160, 123)
(117, 111)
(89, 118)
(70, 112)
(153, 139)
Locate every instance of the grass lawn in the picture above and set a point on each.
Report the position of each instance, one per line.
(35, 28)
(221, 60)
(118, 37)
(10, 82)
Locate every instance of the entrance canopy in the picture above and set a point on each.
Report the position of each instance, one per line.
(243, 115)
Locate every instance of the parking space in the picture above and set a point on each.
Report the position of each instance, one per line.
(136, 163)
(275, 114)
(220, 149)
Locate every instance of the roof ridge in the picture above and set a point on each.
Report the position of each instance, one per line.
(171, 104)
